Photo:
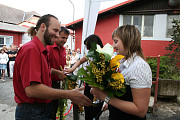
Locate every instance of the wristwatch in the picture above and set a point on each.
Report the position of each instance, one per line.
(107, 99)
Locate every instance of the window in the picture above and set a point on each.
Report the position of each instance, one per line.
(6, 40)
(148, 25)
(137, 21)
(170, 24)
(127, 19)
(144, 23)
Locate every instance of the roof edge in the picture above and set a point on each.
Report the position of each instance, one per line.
(102, 11)
(13, 31)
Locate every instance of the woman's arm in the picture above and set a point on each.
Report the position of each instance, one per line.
(77, 64)
(138, 107)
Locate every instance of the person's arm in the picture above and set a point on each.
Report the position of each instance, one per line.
(7, 58)
(15, 55)
(105, 107)
(77, 64)
(139, 105)
(59, 73)
(41, 91)
(10, 55)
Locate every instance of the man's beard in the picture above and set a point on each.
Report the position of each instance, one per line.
(47, 38)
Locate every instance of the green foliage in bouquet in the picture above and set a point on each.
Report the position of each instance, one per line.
(68, 84)
(102, 72)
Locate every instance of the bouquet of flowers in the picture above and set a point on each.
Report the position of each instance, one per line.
(68, 84)
(102, 71)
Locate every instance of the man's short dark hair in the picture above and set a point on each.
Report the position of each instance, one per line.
(44, 19)
(65, 30)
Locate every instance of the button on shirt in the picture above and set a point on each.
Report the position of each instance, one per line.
(57, 58)
(136, 71)
(31, 64)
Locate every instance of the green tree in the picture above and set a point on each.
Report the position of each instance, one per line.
(173, 47)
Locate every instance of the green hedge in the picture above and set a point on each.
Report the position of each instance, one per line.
(167, 70)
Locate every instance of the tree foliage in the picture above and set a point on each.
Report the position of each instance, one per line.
(173, 47)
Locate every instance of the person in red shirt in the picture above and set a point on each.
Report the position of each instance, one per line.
(32, 74)
(57, 59)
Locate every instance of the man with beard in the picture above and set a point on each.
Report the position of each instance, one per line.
(57, 59)
(32, 74)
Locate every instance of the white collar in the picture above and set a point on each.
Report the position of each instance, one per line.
(129, 60)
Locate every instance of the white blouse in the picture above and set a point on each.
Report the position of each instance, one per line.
(3, 58)
(137, 72)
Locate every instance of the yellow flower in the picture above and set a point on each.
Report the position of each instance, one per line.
(117, 76)
(114, 63)
(119, 80)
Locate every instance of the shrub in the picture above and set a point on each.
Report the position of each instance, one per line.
(167, 69)
(174, 46)
(171, 61)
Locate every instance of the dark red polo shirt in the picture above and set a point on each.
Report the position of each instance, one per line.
(57, 58)
(31, 64)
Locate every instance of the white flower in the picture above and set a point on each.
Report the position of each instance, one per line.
(107, 50)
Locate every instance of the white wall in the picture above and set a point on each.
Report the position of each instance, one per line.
(25, 38)
(70, 43)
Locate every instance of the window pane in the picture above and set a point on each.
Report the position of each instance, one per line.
(137, 21)
(148, 26)
(170, 24)
(127, 19)
(2, 40)
(9, 41)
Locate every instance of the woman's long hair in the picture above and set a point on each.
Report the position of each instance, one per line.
(131, 39)
(93, 38)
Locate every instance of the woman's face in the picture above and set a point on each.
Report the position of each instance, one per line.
(73, 52)
(68, 58)
(118, 45)
(2, 51)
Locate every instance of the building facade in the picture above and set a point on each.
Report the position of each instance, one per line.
(14, 24)
(153, 18)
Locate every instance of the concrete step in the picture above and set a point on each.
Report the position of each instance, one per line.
(151, 103)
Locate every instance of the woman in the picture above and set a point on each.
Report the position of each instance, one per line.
(90, 112)
(68, 62)
(3, 62)
(137, 74)
(90, 39)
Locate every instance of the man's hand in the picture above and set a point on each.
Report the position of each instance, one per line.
(61, 75)
(78, 98)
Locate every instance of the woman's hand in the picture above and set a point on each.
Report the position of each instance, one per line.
(68, 70)
(98, 93)
(105, 107)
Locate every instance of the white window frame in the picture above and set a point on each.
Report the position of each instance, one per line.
(171, 26)
(142, 25)
(159, 29)
(5, 41)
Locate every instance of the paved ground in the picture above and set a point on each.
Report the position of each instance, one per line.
(164, 110)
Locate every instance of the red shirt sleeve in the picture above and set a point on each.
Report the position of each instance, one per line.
(31, 67)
